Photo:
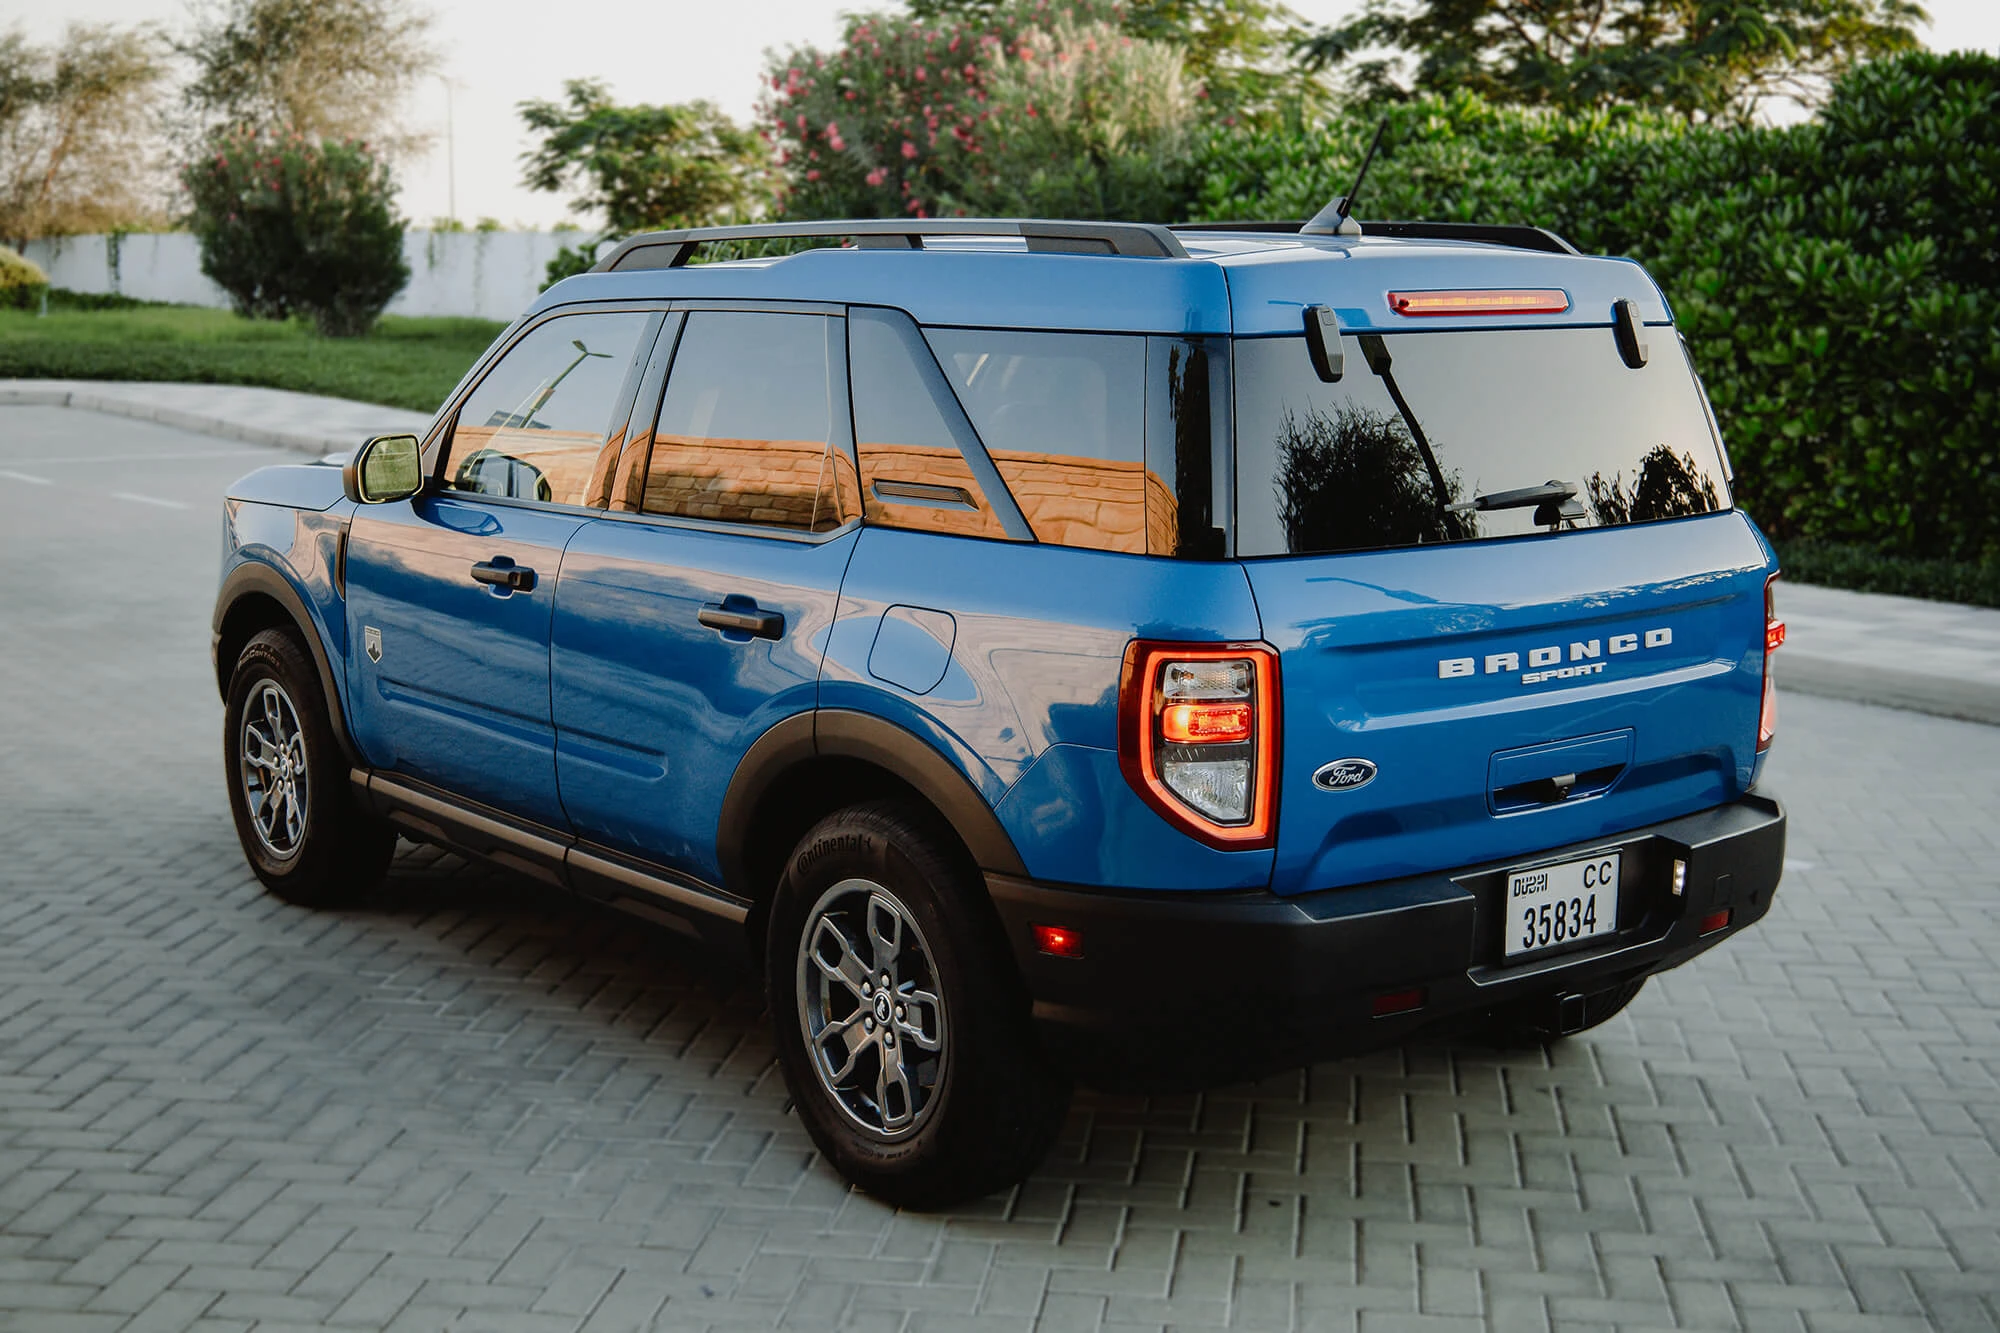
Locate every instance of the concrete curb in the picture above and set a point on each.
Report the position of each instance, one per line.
(119, 405)
(1940, 696)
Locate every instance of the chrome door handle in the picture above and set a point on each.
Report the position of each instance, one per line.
(504, 573)
(744, 618)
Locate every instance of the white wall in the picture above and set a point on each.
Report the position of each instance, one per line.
(492, 274)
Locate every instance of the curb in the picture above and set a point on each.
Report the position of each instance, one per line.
(1940, 696)
(304, 442)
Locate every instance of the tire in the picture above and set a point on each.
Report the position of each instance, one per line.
(302, 831)
(972, 1103)
(1534, 1022)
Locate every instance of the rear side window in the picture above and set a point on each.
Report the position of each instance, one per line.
(747, 428)
(539, 425)
(1105, 440)
(1440, 437)
(920, 462)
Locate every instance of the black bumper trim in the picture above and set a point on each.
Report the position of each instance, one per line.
(1185, 988)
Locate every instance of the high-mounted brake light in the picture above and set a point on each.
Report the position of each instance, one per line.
(1774, 638)
(1198, 737)
(1482, 301)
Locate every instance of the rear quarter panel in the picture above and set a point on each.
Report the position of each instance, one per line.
(1027, 706)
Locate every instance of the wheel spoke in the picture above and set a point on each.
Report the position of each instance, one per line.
(842, 964)
(853, 1038)
(266, 754)
(894, 1098)
(884, 913)
(917, 1018)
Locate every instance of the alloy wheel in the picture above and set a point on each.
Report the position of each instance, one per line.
(870, 1008)
(273, 768)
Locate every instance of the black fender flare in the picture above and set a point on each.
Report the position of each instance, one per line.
(848, 734)
(254, 577)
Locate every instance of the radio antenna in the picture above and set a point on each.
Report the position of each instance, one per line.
(1334, 220)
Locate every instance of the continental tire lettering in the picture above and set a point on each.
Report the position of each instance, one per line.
(819, 851)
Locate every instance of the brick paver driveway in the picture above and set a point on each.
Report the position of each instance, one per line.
(476, 1105)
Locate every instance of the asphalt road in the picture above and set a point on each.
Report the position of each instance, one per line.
(478, 1105)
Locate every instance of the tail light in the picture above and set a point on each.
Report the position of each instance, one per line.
(1198, 737)
(1774, 638)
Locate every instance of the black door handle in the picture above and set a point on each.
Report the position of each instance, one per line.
(744, 617)
(504, 573)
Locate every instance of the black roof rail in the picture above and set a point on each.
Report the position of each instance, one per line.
(1517, 235)
(673, 249)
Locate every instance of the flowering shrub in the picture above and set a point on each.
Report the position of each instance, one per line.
(1087, 122)
(290, 227)
(900, 118)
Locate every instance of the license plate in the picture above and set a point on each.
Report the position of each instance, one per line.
(1561, 904)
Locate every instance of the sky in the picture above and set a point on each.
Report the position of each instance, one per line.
(500, 52)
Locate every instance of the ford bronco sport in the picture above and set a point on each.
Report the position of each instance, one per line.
(1050, 651)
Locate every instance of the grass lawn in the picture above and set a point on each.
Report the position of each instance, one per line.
(406, 362)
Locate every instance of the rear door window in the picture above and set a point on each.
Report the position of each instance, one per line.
(752, 428)
(1438, 437)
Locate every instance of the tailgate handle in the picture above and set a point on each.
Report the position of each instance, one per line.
(1536, 776)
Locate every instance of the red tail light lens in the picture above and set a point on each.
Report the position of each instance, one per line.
(1198, 737)
(1774, 637)
(1482, 301)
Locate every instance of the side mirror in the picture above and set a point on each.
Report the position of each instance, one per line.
(388, 467)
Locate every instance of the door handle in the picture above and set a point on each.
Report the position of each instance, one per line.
(500, 572)
(744, 617)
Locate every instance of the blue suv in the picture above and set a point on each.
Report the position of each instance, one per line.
(1048, 650)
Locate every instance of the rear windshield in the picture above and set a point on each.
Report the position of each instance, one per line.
(1439, 437)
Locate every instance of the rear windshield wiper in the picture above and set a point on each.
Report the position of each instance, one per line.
(1553, 501)
(1380, 362)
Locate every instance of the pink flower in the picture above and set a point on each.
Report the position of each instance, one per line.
(813, 175)
(921, 76)
(850, 94)
(909, 149)
(837, 144)
(877, 176)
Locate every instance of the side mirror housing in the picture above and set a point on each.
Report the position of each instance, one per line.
(386, 468)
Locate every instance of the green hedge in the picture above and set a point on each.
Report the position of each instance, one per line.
(1839, 281)
(1976, 583)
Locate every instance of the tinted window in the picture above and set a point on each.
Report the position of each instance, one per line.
(1401, 449)
(747, 430)
(1187, 454)
(919, 468)
(539, 425)
(1063, 416)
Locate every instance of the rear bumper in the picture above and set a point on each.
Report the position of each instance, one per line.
(1186, 989)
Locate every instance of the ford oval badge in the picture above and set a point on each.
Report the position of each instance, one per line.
(1344, 774)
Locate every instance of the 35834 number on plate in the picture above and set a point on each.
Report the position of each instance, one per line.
(1561, 904)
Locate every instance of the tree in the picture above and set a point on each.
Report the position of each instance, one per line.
(289, 226)
(76, 132)
(644, 167)
(1234, 50)
(325, 69)
(1705, 59)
